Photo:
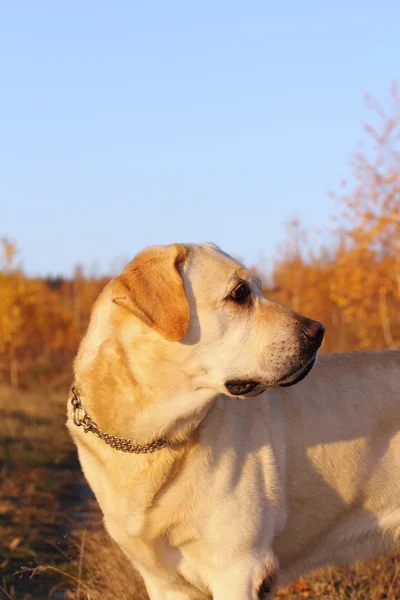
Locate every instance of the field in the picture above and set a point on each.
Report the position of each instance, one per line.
(52, 542)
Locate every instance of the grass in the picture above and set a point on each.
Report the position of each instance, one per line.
(53, 544)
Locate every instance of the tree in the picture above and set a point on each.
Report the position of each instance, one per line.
(367, 282)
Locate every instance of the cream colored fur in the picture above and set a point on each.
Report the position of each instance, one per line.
(251, 491)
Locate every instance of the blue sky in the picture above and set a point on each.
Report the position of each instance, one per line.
(125, 124)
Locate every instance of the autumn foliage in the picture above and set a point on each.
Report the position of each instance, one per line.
(41, 320)
(351, 283)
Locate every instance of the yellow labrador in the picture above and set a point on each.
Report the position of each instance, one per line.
(217, 476)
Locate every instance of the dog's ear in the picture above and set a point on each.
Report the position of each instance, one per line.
(151, 287)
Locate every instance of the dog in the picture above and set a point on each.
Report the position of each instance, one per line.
(223, 462)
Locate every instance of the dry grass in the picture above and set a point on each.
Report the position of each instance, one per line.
(53, 545)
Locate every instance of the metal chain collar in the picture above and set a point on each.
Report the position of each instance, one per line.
(81, 419)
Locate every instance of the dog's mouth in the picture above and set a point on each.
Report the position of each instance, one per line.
(299, 374)
(243, 387)
(239, 387)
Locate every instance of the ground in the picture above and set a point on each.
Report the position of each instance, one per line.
(52, 542)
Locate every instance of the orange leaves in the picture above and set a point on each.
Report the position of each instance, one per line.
(368, 266)
(40, 321)
(7, 253)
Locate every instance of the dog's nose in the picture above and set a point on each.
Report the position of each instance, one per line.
(313, 329)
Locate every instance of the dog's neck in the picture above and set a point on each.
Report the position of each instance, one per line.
(174, 419)
(126, 403)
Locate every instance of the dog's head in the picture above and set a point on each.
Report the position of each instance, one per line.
(206, 312)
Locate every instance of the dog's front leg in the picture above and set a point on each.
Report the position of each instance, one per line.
(158, 589)
(248, 579)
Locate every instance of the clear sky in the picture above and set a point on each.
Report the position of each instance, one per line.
(125, 123)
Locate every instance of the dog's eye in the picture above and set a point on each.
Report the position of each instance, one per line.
(241, 293)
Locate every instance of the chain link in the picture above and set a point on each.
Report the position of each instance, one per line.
(81, 419)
